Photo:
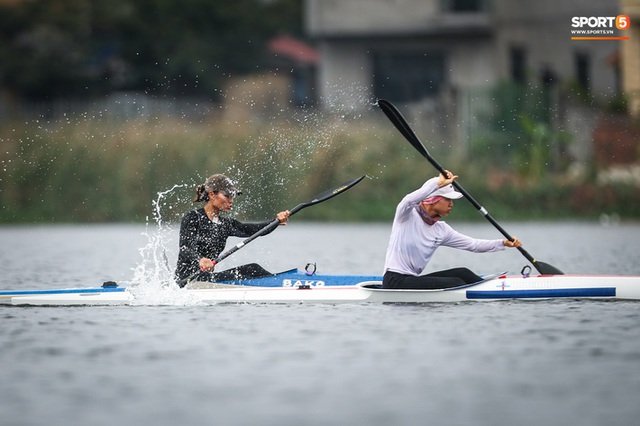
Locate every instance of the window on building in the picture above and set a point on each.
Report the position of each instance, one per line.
(583, 70)
(464, 5)
(518, 64)
(405, 76)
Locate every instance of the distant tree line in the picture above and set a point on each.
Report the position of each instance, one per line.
(84, 48)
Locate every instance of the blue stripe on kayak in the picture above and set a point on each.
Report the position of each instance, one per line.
(61, 291)
(536, 294)
(290, 279)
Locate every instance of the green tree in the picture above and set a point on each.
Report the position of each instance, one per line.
(53, 48)
(44, 44)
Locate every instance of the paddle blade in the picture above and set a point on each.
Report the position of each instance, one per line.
(403, 127)
(328, 194)
(546, 269)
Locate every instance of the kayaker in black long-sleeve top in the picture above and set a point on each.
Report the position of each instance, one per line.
(204, 233)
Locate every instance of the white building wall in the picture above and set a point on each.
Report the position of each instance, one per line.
(345, 77)
(472, 65)
(352, 17)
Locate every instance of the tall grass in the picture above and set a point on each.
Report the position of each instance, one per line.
(92, 169)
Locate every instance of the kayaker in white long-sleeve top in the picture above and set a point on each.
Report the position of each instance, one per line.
(417, 232)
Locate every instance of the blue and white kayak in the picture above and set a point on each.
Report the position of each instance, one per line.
(110, 291)
(503, 287)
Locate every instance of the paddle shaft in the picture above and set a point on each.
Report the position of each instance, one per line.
(324, 196)
(270, 227)
(401, 124)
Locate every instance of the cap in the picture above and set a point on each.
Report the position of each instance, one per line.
(219, 182)
(447, 191)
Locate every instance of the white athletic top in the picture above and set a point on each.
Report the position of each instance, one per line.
(413, 242)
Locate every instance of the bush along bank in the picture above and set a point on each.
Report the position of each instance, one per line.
(101, 172)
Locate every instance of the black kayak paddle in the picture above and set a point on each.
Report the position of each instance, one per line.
(401, 124)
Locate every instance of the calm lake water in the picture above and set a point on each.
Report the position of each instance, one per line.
(487, 363)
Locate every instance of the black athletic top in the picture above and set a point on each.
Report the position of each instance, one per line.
(200, 237)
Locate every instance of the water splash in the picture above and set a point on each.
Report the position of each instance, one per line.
(153, 282)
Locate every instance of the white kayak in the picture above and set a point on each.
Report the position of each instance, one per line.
(501, 287)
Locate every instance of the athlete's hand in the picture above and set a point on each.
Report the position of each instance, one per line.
(207, 265)
(446, 179)
(515, 243)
